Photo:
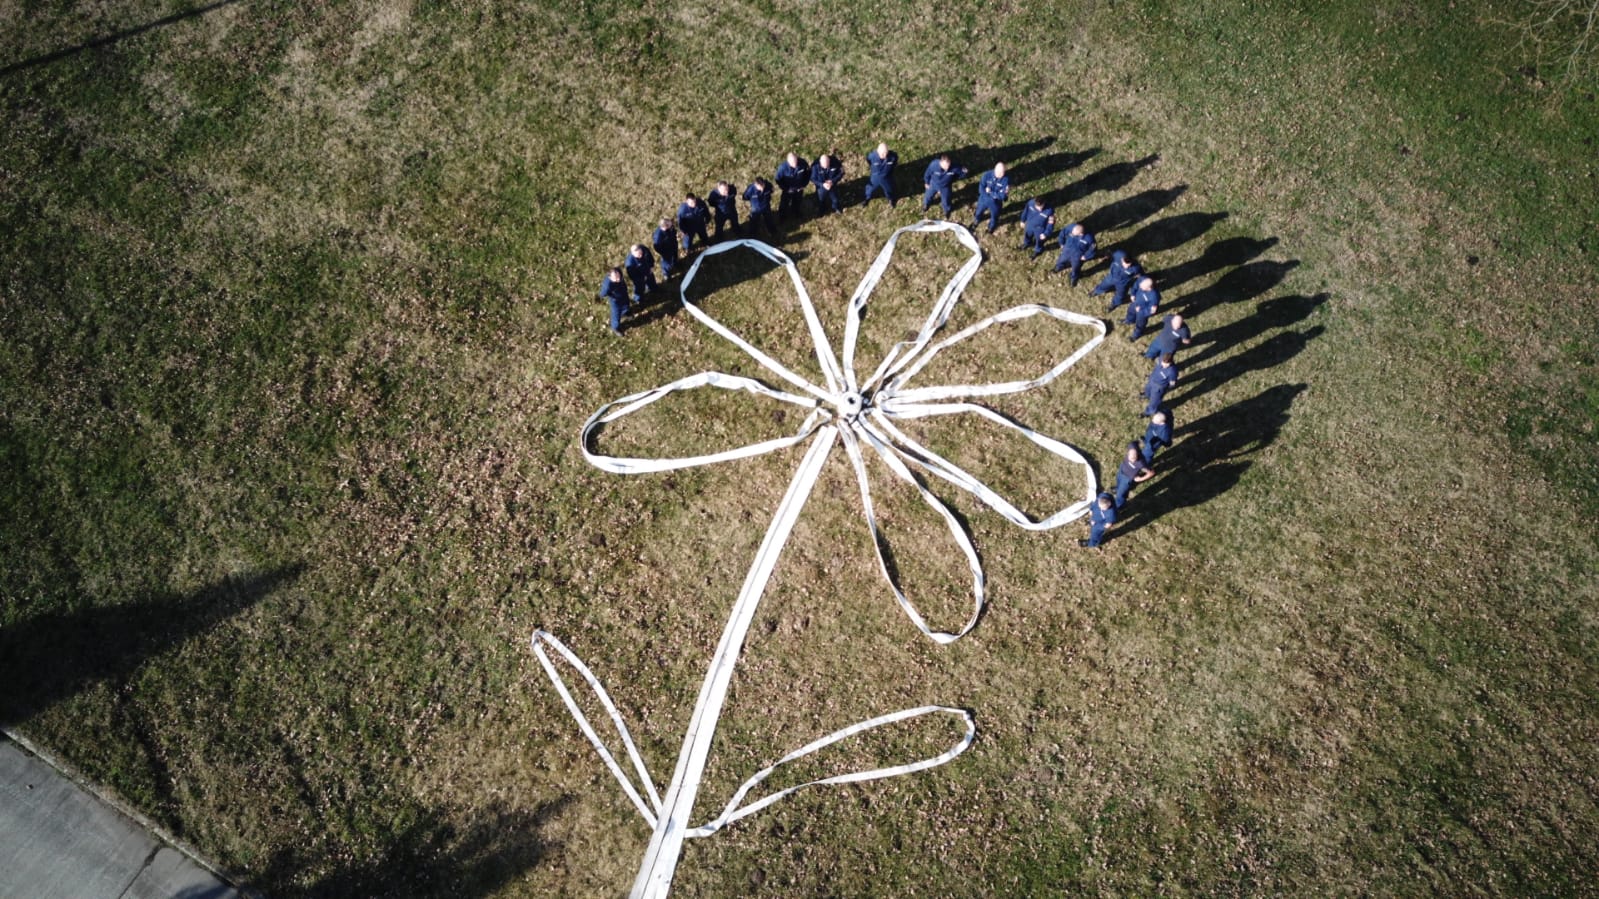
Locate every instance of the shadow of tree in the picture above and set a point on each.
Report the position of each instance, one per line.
(109, 39)
(434, 857)
(1208, 458)
(51, 656)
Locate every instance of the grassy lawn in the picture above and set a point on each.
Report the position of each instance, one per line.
(300, 333)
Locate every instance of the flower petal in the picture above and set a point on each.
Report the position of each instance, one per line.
(853, 437)
(899, 353)
(824, 350)
(927, 460)
(627, 405)
(894, 392)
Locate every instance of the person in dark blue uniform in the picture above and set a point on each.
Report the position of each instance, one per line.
(1038, 223)
(1130, 472)
(1076, 248)
(692, 218)
(759, 195)
(665, 242)
(1173, 334)
(723, 200)
(1162, 379)
(880, 163)
(1121, 276)
(1101, 515)
(936, 181)
(827, 173)
(640, 267)
(1146, 301)
(1157, 435)
(613, 291)
(793, 176)
(992, 190)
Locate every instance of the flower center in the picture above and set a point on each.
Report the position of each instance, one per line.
(851, 405)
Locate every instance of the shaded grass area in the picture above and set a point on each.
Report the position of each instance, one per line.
(300, 337)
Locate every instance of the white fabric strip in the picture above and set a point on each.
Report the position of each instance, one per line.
(856, 412)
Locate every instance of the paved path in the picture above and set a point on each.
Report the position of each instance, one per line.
(59, 840)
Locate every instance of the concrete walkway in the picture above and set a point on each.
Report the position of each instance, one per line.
(57, 839)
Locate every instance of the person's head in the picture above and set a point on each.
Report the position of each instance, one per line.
(793, 159)
(692, 200)
(1119, 256)
(1165, 359)
(666, 223)
(943, 162)
(1160, 418)
(1105, 502)
(882, 151)
(1176, 320)
(1036, 203)
(638, 250)
(721, 187)
(763, 185)
(999, 170)
(616, 274)
(1077, 230)
(1146, 284)
(825, 161)
(1132, 452)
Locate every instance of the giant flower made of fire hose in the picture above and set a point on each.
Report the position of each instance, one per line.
(864, 414)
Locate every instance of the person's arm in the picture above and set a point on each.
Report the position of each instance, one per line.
(1144, 474)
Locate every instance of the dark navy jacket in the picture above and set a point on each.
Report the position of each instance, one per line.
(693, 218)
(1080, 246)
(791, 179)
(1155, 432)
(882, 169)
(1146, 301)
(615, 291)
(726, 204)
(639, 267)
(939, 179)
(1101, 518)
(833, 173)
(1035, 219)
(994, 187)
(1167, 341)
(1161, 379)
(665, 242)
(1120, 274)
(760, 200)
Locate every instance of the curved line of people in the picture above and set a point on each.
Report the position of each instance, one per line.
(1125, 281)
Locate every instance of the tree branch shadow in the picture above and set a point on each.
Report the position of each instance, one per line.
(50, 657)
(107, 40)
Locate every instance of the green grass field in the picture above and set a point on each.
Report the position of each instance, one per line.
(299, 330)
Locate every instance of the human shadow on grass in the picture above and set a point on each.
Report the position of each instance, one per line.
(433, 857)
(1169, 233)
(1267, 354)
(109, 39)
(1112, 177)
(1242, 283)
(1279, 312)
(1210, 456)
(1129, 211)
(1222, 254)
(726, 271)
(51, 656)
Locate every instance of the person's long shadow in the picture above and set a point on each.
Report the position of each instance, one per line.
(432, 857)
(1219, 255)
(1210, 455)
(1129, 211)
(51, 656)
(1112, 177)
(724, 271)
(47, 58)
(1170, 233)
(1279, 312)
(1267, 354)
(1242, 283)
